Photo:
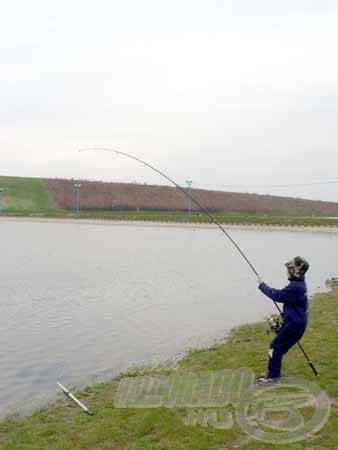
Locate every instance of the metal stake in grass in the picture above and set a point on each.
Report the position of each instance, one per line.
(75, 400)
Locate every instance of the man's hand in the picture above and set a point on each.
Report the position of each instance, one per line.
(260, 279)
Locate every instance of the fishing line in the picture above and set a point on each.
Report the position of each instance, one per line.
(197, 203)
(206, 212)
(247, 186)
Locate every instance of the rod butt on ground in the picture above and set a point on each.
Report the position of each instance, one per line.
(314, 370)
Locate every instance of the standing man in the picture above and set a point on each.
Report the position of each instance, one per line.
(295, 315)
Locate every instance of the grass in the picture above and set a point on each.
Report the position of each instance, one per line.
(182, 217)
(25, 196)
(62, 426)
(225, 218)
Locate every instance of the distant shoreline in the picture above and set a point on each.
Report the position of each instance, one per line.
(173, 224)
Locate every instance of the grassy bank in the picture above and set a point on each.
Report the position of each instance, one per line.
(182, 217)
(225, 218)
(25, 196)
(62, 426)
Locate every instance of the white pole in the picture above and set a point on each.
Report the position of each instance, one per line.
(75, 400)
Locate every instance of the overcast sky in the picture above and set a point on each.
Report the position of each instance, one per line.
(220, 92)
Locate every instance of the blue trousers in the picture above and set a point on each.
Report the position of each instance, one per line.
(288, 336)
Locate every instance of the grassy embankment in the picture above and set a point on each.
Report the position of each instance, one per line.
(25, 196)
(62, 426)
(28, 197)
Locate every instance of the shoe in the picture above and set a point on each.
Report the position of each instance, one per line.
(264, 381)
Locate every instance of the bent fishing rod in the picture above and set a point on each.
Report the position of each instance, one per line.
(207, 213)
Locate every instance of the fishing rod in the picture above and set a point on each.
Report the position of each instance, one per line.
(206, 212)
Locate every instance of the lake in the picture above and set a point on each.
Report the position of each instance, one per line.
(79, 300)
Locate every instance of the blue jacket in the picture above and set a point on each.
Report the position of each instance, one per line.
(293, 297)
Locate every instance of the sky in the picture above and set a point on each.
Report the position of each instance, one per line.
(223, 93)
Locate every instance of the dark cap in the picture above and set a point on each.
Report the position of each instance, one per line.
(298, 267)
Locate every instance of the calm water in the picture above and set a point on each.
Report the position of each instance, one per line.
(78, 301)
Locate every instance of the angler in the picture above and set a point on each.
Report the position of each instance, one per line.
(294, 316)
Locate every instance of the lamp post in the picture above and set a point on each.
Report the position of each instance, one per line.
(77, 190)
(1, 204)
(189, 182)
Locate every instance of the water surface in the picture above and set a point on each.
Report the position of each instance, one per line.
(79, 300)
